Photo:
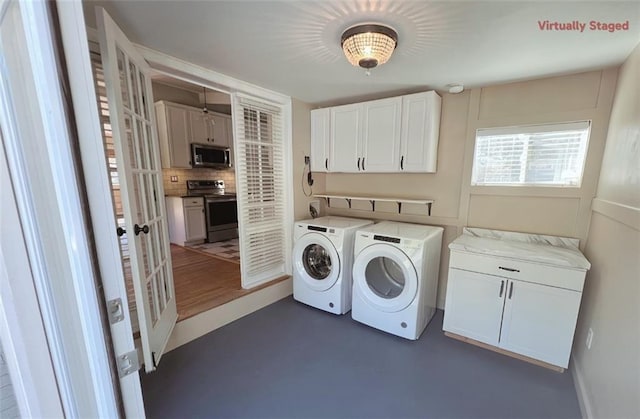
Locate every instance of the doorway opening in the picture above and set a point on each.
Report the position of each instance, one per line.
(203, 226)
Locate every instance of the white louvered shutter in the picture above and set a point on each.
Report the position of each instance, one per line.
(540, 155)
(260, 188)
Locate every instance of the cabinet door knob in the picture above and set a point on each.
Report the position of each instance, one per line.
(363, 163)
(511, 290)
(402, 163)
(358, 163)
(501, 288)
(326, 163)
(508, 269)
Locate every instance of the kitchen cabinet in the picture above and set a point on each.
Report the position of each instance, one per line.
(526, 304)
(394, 135)
(209, 128)
(381, 139)
(320, 140)
(346, 138)
(179, 126)
(186, 218)
(173, 135)
(420, 132)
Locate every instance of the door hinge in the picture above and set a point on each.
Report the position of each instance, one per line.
(128, 363)
(115, 310)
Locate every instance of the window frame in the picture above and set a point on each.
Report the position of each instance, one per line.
(538, 128)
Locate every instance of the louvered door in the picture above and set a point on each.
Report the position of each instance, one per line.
(260, 188)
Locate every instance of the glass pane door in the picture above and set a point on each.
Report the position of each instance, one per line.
(140, 176)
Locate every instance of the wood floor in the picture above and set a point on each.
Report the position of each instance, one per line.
(203, 282)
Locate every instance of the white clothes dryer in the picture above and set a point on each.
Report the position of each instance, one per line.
(322, 261)
(395, 277)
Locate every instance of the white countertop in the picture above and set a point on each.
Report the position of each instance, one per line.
(548, 250)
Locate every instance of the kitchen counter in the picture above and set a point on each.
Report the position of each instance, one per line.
(547, 250)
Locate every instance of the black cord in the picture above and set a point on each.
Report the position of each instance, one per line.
(306, 166)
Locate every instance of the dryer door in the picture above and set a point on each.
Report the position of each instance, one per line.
(385, 277)
(316, 261)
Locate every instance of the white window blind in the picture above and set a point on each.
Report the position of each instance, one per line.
(538, 155)
(260, 185)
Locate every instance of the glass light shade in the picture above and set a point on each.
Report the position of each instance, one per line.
(369, 45)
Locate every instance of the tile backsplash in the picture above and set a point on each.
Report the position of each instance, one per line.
(179, 188)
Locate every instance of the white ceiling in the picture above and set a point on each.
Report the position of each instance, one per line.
(293, 47)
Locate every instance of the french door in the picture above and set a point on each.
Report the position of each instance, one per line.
(128, 85)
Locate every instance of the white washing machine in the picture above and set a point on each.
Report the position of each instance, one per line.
(322, 260)
(395, 277)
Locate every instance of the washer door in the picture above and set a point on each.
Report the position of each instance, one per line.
(316, 261)
(385, 277)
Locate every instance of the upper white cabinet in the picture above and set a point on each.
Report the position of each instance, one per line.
(173, 134)
(209, 128)
(420, 132)
(199, 123)
(320, 140)
(398, 134)
(180, 125)
(346, 138)
(218, 130)
(381, 139)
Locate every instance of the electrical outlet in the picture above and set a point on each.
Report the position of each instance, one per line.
(174, 179)
(589, 338)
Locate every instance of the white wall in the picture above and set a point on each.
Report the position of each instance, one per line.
(173, 94)
(554, 211)
(608, 374)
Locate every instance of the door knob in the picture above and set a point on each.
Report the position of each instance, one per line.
(121, 231)
(137, 229)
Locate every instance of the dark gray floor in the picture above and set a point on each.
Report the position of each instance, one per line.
(290, 360)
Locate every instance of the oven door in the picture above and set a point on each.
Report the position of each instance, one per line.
(222, 214)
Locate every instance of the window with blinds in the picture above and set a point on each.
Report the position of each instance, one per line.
(537, 155)
(260, 185)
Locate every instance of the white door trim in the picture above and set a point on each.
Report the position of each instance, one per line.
(21, 327)
(98, 189)
(60, 261)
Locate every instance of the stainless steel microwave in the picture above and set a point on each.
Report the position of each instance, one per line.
(204, 155)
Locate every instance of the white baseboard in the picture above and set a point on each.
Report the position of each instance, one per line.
(203, 323)
(581, 390)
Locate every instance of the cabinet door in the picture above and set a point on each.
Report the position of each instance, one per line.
(320, 140)
(194, 223)
(198, 123)
(381, 140)
(473, 306)
(539, 321)
(346, 135)
(420, 132)
(217, 130)
(178, 137)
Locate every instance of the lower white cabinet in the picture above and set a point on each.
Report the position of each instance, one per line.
(186, 218)
(474, 305)
(539, 321)
(513, 304)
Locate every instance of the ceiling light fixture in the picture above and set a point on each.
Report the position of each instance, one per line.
(368, 45)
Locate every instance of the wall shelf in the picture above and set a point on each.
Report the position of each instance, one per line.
(372, 200)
